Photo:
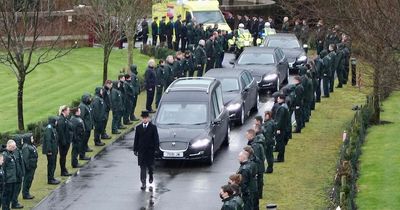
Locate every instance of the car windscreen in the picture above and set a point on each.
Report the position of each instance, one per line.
(182, 114)
(208, 17)
(256, 59)
(283, 43)
(229, 84)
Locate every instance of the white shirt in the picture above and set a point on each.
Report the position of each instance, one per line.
(145, 125)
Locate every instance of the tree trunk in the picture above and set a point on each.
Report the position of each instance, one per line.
(131, 46)
(106, 56)
(375, 118)
(20, 103)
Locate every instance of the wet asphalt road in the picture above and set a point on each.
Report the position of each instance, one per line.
(111, 180)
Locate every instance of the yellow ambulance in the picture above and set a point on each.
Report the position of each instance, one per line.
(201, 11)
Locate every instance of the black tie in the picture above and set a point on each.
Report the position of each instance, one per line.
(145, 126)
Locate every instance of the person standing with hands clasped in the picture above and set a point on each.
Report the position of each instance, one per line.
(145, 144)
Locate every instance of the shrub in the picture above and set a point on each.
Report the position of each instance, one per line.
(156, 51)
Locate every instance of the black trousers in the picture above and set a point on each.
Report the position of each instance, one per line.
(128, 109)
(154, 40)
(325, 83)
(169, 42)
(332, 81)
(318, 90)
(256, 205)
(116, 120)
(98, 128)
(63, 156)
(298, 115)
(132, 117)
(105, 123)
(162, 40)
(183, 44)
(260, 184)
(51, 166)
(210, 64)
(218, 61)
(200, 70)
(150, 98)
(143, 172)
(17, 190)
(76, 151)
(280, 146)
(7, 195)
(145, 38)
(320, 47)
(160, 91)
(28, 179)
(248, 201)
(84, 144)
(269, 156)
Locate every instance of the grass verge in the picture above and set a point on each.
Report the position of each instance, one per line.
(59, 82)
(304, 179)
(379, 163)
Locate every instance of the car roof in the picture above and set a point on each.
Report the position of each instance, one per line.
(224, 72)
(198, 84)
(259, 49)
(282, 36)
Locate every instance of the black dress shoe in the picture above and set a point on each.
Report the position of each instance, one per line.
(66, 174)
(84, 158)
(122, 127)
(269, 171)
(143, 187)
(77, 166)
(28, 197)
(53, 182)
(116, 132)
(89, 150)
(99, 144)
(299, 131)
(17, 206)
(128, 123)
(278, 161)
(105, 136)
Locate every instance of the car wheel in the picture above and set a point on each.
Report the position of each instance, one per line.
(242, 116)
(210, 159)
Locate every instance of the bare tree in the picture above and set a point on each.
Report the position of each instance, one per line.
(134, 10)
(105, 20)
(373, 27)
(22, 24)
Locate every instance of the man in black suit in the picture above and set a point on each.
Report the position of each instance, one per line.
(154, 31)
(150, 84)
(144, 147)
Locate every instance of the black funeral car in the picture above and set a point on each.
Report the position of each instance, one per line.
(291, 46)
(268, 66)
(192, 120)
(240, 92)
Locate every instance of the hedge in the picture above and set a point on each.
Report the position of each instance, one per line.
(156, 51)
(344, 187)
